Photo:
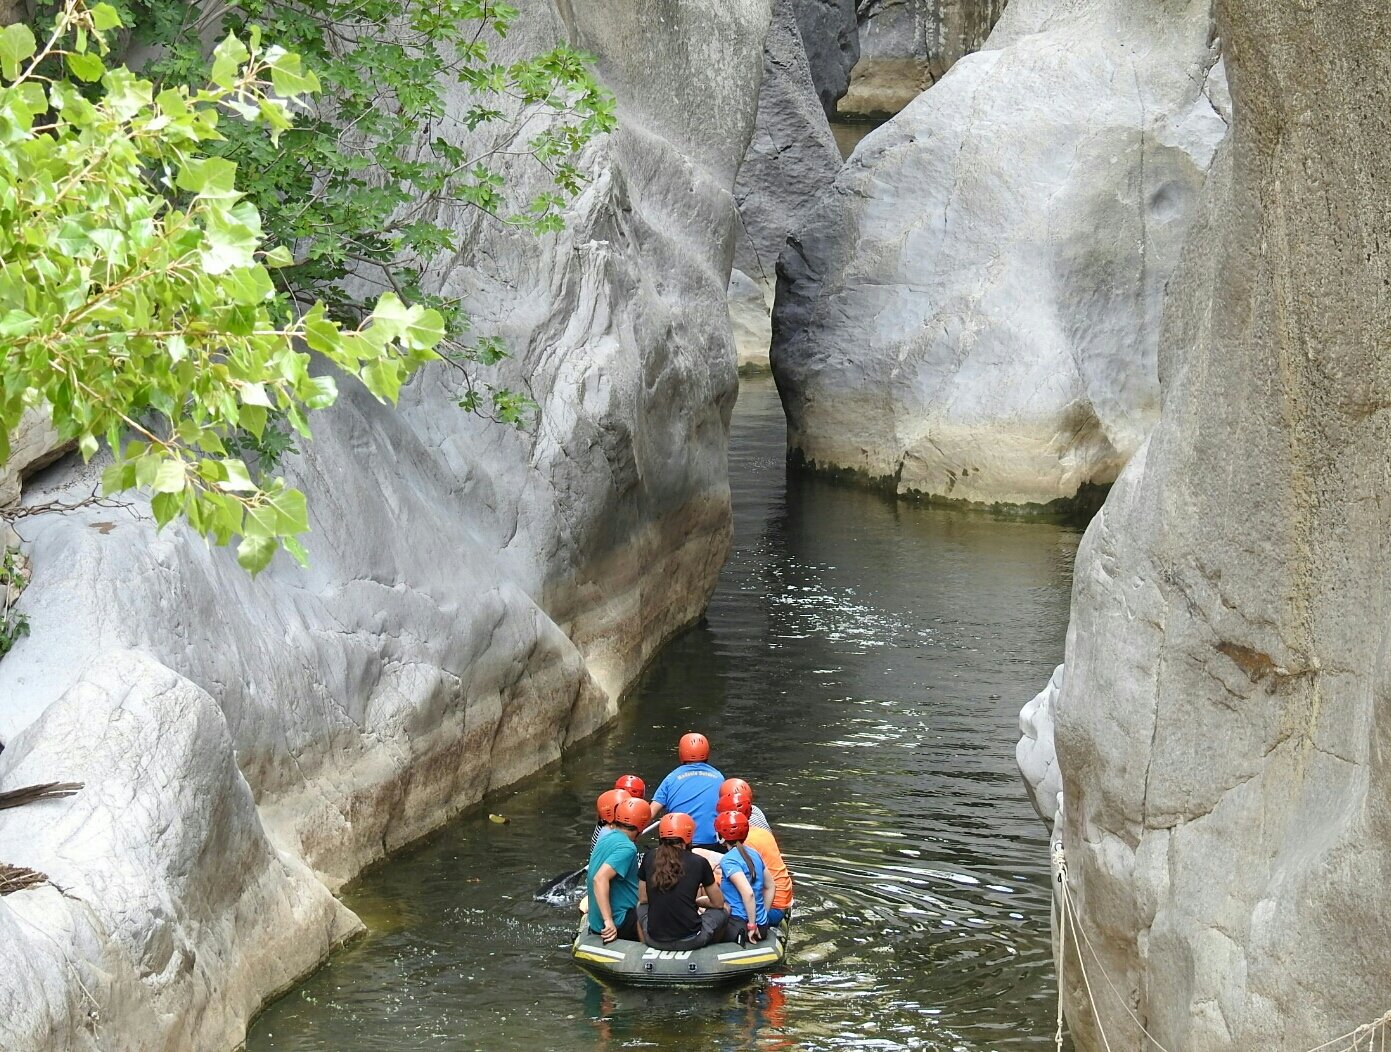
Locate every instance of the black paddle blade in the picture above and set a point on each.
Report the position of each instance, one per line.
(564, 889)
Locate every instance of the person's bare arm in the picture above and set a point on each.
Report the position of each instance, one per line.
(642, 891)
(741, 884)
(601, 901)
(714, 897)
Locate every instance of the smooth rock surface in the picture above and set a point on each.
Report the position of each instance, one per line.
(169, 913)
(33, 445)
(831, 40)
(791, 159)
(1224, 727)
(1036, 753)
(477, 597)
(907, 45)
(973, 312)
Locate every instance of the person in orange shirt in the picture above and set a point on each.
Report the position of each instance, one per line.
(763, 841)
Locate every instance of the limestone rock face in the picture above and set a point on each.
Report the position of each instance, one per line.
(34, 444)
(791, 159)
(477, 596)
(1036, 752)
(174, 905)
(1224, 727)
(906, 45)
(973, 312)
(830, 37)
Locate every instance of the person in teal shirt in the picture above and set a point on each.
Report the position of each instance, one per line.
(612, 880)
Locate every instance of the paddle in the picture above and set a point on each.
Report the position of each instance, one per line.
(560, 889)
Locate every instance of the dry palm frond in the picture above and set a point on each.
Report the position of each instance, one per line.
(30, 793)
(17, 878)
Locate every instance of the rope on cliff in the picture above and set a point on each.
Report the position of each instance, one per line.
(1374, 1033)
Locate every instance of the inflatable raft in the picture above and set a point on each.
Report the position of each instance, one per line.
(635, 963)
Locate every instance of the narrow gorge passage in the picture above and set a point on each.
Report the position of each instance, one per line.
(861, 664)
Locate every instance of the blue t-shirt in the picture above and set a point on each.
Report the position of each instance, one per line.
(693, 789)
(622, 854)
(733, 862)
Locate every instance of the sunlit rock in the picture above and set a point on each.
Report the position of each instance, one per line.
(168, 911)
(1224, 729)
(906, 45)
(477, 596)
(1035, 753)
(973, 312)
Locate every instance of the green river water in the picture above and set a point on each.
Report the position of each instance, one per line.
(862, 664)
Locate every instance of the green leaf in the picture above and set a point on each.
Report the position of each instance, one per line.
(17, 43)
(165, 507)
(238, 478)
(212, 177)
(255, 553)
(228, 58)
(170, 477)
(86, 66)
(105, 18)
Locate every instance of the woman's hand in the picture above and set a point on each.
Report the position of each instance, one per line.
(609, 933)
(752, 929)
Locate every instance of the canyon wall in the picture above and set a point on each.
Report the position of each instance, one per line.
(972, 311)
(907, 45)
(477, 597)
(1223, 725)
(791, 159)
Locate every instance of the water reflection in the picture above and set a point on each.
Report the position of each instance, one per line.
(862, 664)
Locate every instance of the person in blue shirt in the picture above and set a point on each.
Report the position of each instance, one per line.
(743, 881)
(693, 789)
(613, 875)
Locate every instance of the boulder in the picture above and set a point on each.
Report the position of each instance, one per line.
(791, 158)
(972, 312)
(830, 37)
(907, 45)
(167, 910)
(477, 596)
(1223, 730)
(34, 444)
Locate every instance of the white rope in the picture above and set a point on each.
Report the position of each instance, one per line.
(1377, 1029)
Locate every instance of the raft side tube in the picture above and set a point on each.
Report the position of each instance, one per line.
(635, 963)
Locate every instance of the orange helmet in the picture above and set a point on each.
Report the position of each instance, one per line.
(736, 801)
(608, 803)
(732, 826)
(733, 785)
(632, 784)
(677, 826)
(633, 812)
(694, 748)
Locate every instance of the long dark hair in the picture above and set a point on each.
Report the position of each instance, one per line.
(668, 864)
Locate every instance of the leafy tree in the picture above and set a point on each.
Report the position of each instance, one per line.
(164, 266)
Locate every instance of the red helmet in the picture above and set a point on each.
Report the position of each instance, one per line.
(734, 785)
(677, 826)
(608, 802)
(741, 802)
(732, 826)
(694, 748)
(632, 784)
(633, 812)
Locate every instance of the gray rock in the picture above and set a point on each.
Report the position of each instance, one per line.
(907, 45)
(791, 159)
(973, 312)
(477, 597)
(750, 313)
(1222, 730)
(168, 910)
(33, 445)
(830, 36)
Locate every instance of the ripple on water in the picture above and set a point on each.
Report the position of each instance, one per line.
(862, 664)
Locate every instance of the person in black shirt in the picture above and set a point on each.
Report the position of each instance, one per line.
(673, 883)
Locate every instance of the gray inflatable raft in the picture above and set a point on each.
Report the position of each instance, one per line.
(633, 962)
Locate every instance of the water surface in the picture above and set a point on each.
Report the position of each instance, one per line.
(862, 664)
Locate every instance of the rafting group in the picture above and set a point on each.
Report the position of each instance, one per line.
(715, 877)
